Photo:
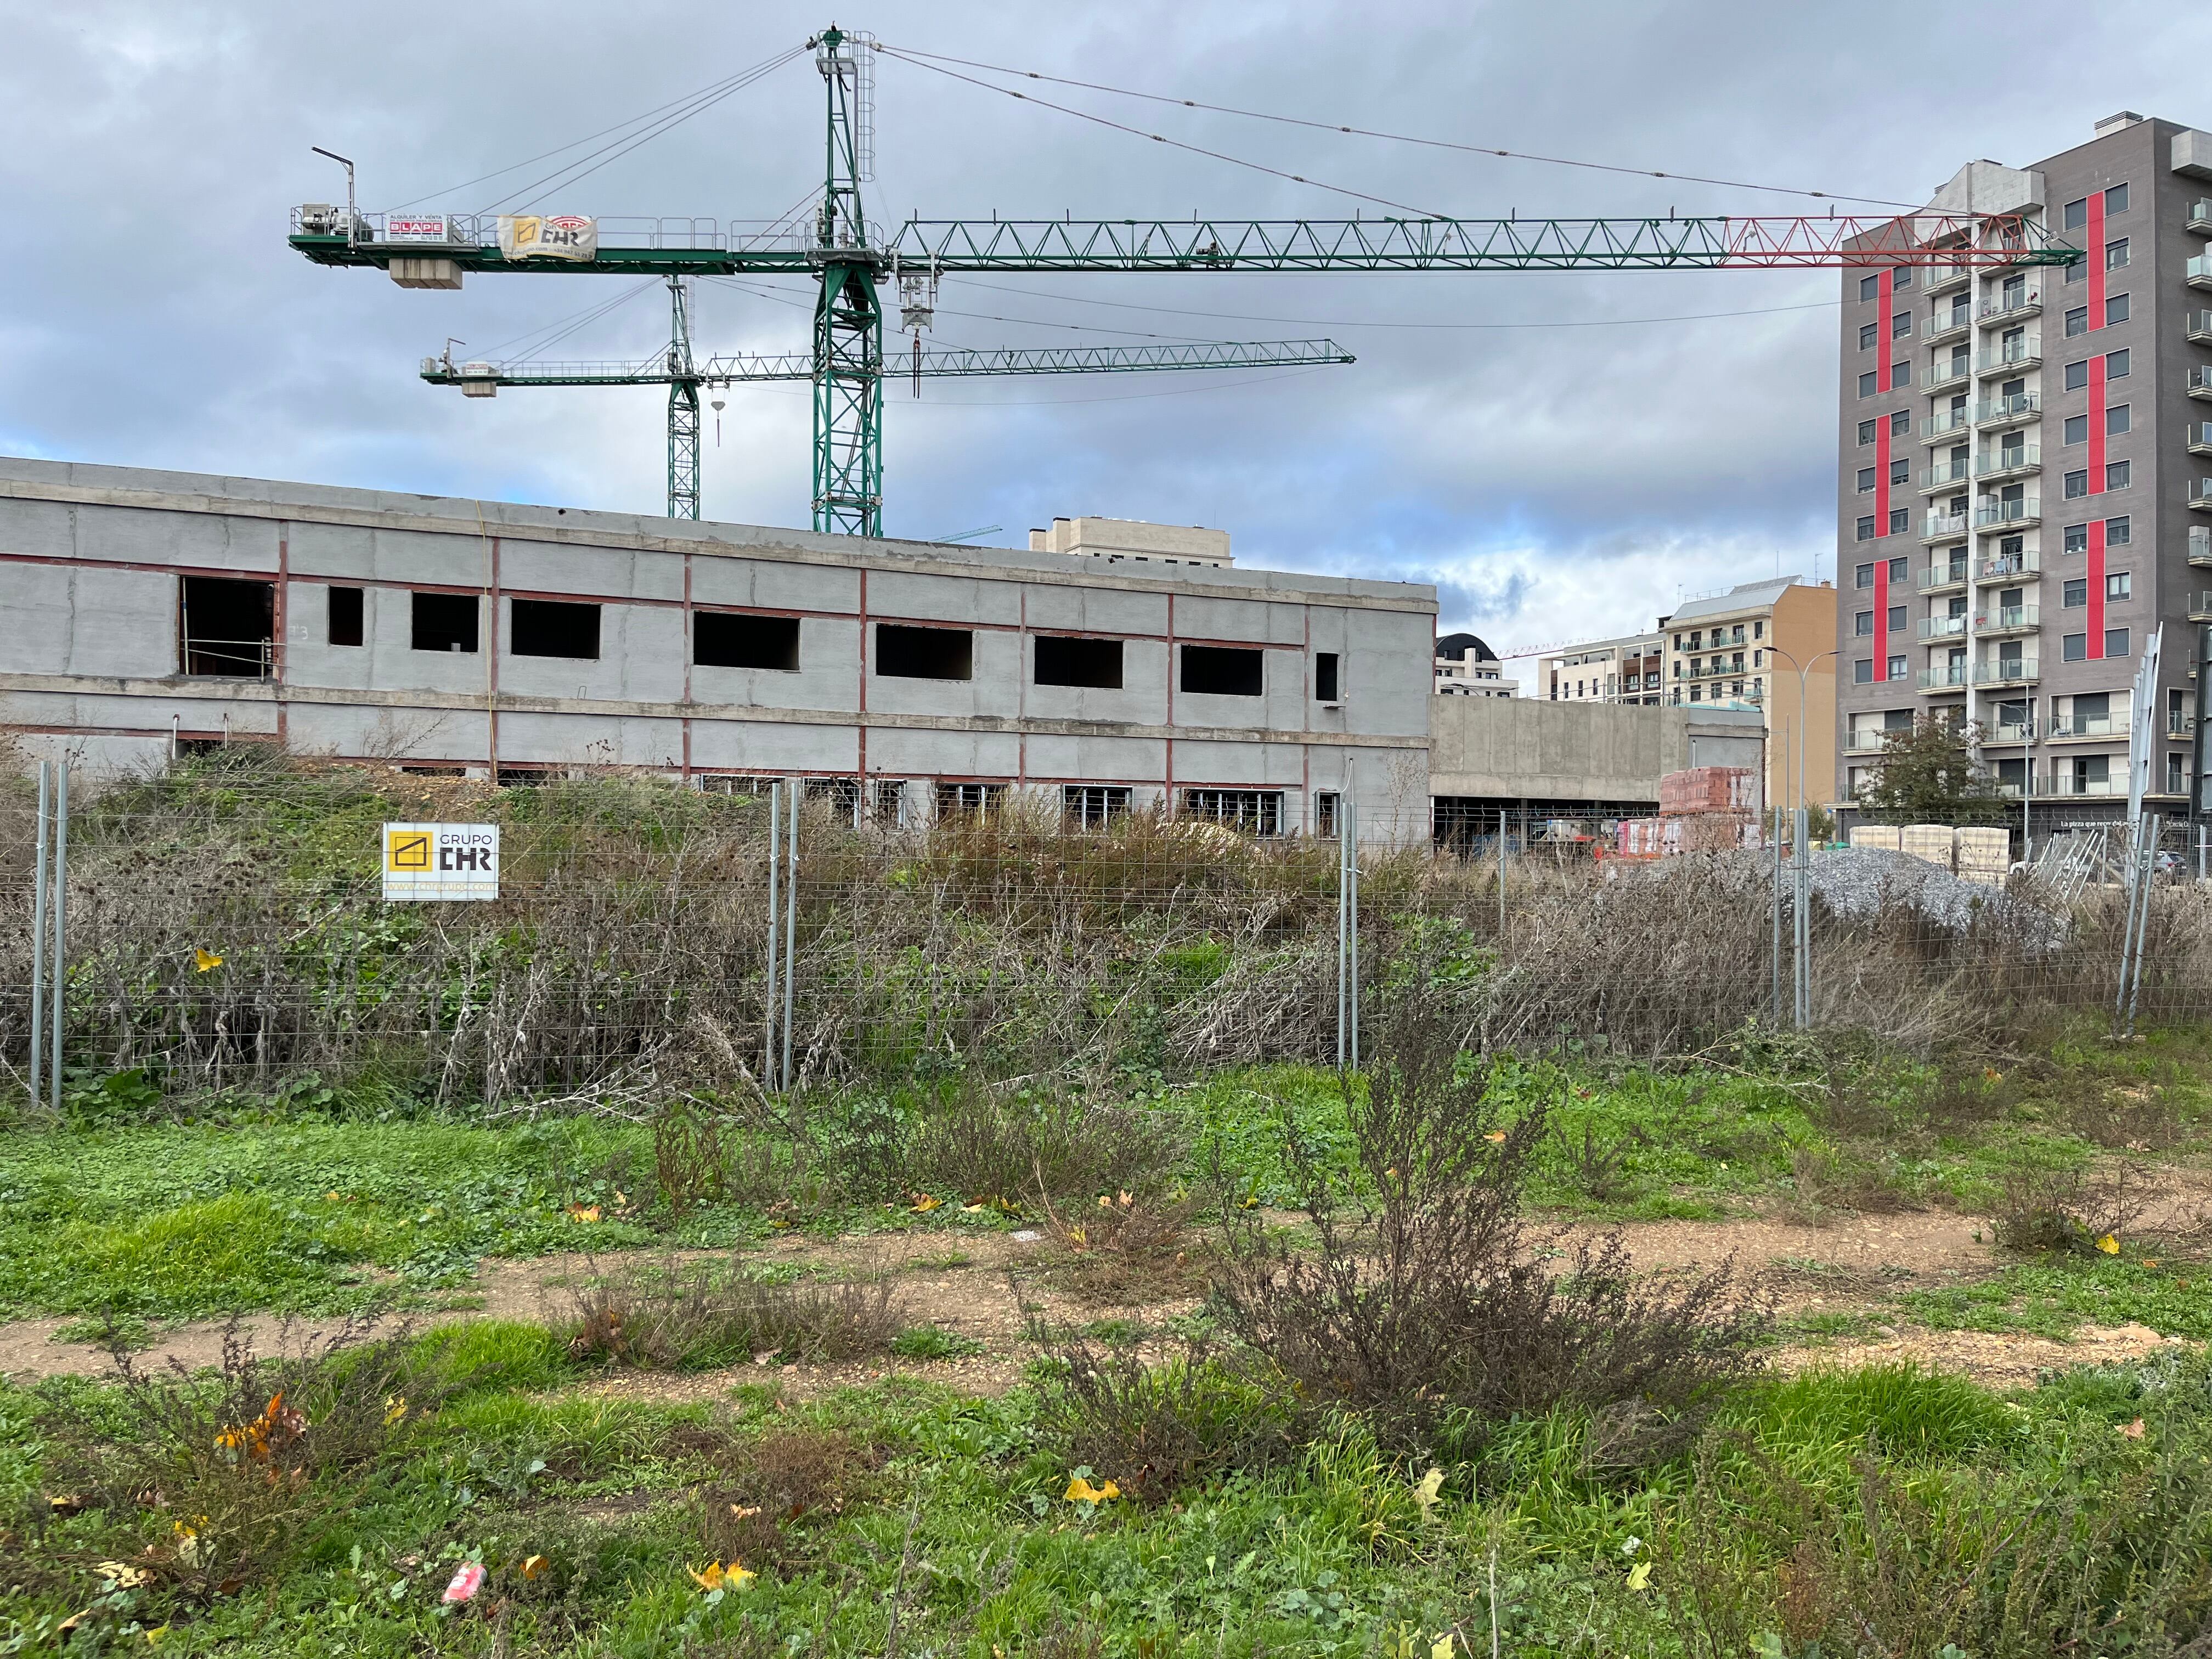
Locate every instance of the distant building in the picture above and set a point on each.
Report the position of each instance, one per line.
(1744, 649)
(1630, 669)
(1116, 540)
(1465, 667)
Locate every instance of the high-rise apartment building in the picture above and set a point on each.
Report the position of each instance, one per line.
(2019, 501)
(1630, 670)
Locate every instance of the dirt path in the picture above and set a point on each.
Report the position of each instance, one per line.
(962, 1284)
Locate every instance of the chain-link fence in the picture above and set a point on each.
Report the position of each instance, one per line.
(226, 932)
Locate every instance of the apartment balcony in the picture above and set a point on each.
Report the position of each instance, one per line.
(2002, 307)
(2072, 783)
(1956, 373)
(2199, 384)
(2008, 461)
(2095, 728)
(2200, 546)
(2200, 271)
(1952, 325)
(1933, 629)
(1936, 578)
(1946, 475)
(2200, 326)
(2008, 515)
(2200, 218)
(2179, 724)
(2007, 567)
(2011, 619)
(1942, 279)
(2015, 410)
(2200, 495)
(2200, 607)
(2199, 434)
(2023, 353)
(1945, 423)
(2006, 671)
(1864, 743)
(1950, 677)
(1942, 526)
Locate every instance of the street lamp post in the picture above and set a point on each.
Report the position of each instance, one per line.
(1801, 852)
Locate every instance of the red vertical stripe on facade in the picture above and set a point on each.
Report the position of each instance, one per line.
(2095, 572)
(1881, 619)
(2096, 426)
(1881, 372)
(2093, 256)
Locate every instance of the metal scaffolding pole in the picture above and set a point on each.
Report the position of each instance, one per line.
(38, 930)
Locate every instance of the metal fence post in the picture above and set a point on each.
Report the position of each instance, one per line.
(1801, 902)
(39, 930)
(791, 922)
(1343, 933)
(775, 919)
(1774, 923)
(61, 895)
(1352, 911)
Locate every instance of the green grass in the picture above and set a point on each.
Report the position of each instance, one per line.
(2055, 1296)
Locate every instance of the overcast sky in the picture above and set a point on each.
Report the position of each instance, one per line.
(1559, 467)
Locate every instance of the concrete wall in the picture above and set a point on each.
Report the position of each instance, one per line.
(93, 559)
(1506, 749)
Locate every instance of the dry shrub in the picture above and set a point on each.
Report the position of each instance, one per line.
(1014, 1146)
(220, 1472)
(1844, 1178)
(1126, 1250)
(671, 1313)
(2068, 1209)
(1426, 1305)
(776, 1486)
(1191, 1411)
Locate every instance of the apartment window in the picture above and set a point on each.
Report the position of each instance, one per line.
(1093, 805)
(2077, 321)
(1863, 671)
(1094, 663)
(2116, 310)
(2117, 586)
(2077, 214)
(2077, 375)
(2174, 785)
(1870, 383)
(1868, 335)
(2077, 538)
(555, 628)
(1897, 668)
(907, 653)
(2116, 254)
(1869, 287)
(968, 800)
(227, 626)
(2116, 420)
(1696, 694)
(2116, 200)
(1900, 279)
(345, 619)
(1900, 374)
(2074, 647)
(1900, 520)
(2077, 484)
(443, 622)
(1866, 431)
(1863, 624)
(2119, 532)
(1758, 629)
(1863, 576)
(1897, 569)
(2117, 474)
(1865, 533)
(1222, 670)
(1900, 471)
(1901, 326)
(1866, 480)
(1256, 812)
(2077, 593)
(2116, 643)
(1326, 689)
(2077, 428)
(2115, 365)
(724, 639)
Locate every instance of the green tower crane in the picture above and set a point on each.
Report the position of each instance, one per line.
(846, 365)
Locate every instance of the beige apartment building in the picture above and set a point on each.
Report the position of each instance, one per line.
(1629, 669)
(1769, 645)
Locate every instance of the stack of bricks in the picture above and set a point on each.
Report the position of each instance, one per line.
(1702, 809)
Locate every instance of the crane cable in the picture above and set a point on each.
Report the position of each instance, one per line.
(913, 54)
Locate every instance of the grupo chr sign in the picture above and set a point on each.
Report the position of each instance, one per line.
(441, 860)
(554, 236)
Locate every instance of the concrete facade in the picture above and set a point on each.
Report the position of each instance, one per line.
(1744, 649)
(1116, 540)
(1630, 669)
(2024, 494)
(129, 602)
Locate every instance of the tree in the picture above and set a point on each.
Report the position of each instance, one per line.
(1928, 775)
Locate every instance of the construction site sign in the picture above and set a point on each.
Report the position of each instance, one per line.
(440, 861)
(416, 227)
(559, 236)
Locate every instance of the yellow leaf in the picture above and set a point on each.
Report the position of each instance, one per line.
(2134, 1430)
(972, 1209)
(1426, 1488)
(121, 1574)
(1639, 1576)
(153, 1635)
(2109, 1245)
(1495, 1136)
(734, 1576)
(584, 1212)
(1441, 1647)
(395, 1408)
(205, 960)
(1080, 1490)
(925, 1202)
(533, 1567)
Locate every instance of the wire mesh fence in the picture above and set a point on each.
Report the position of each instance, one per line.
(227, 932)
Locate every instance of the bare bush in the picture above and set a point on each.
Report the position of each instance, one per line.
(1015, 1145)
(1424, 1304)
(672, 1313)
(1125, 1250)
(2069, 1209)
